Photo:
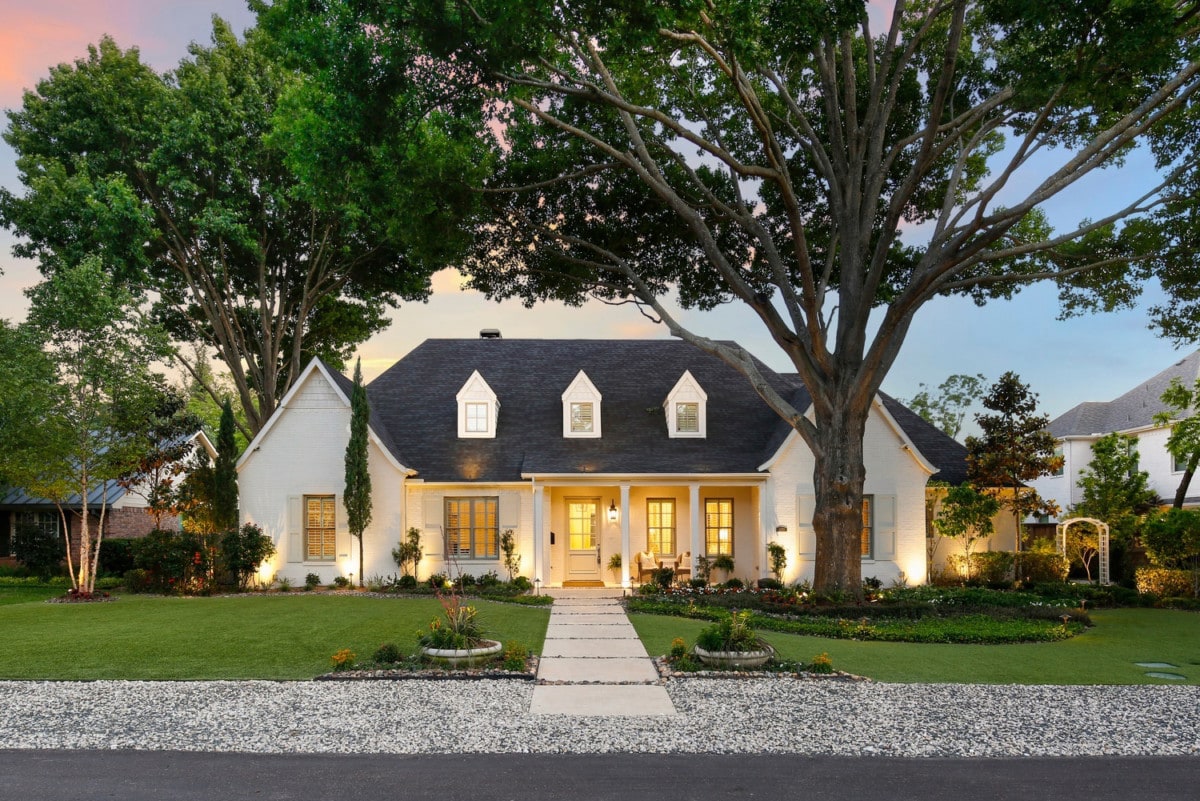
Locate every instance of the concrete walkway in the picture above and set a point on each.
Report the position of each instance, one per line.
(593, 662)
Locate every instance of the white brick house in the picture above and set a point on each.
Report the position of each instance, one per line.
(584, 449)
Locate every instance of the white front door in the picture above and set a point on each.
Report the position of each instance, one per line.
(583, 544)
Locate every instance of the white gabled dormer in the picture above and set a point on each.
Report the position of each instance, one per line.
(581, 409)
(686, 408)
(478, 409)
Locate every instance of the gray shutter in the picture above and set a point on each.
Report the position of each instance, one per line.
(295, 529)
(431, 521)
(510, 511)
(885, 527)
(343, 542)
(807, 538)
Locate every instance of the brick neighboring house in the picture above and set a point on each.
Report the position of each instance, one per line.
(127, 515)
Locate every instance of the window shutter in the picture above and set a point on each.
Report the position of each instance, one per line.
(805, 506)
(295, 529)
(510, 511)
(343, 542)
(885, 527)
(431, 522)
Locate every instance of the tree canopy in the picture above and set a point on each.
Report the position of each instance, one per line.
(830, 173)
(180, 184)
(948, 406)
(1183, 416)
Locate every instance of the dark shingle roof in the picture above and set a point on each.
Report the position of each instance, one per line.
(1135, 409)
(415, 402)
(346, 385)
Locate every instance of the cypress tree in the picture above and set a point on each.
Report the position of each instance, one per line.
(225, 489)
(357, 496)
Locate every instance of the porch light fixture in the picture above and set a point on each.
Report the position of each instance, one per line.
(613, 514)
(537, 586)
(781, 529)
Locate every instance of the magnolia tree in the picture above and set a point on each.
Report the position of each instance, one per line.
(768, 153)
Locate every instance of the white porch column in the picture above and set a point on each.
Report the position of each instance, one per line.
(766, 527)
(626, 556)
(697, 529)
(539, 535)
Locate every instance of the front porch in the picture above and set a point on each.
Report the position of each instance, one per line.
(590, 533)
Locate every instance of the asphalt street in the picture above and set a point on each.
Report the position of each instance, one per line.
(144, 775)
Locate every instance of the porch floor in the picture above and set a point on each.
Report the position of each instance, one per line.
(593, 663)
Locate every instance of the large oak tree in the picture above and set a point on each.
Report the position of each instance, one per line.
(181, 184)
(774, 153)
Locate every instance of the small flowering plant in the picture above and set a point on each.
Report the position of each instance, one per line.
(457, 629)
(730, 633)
(343, 660)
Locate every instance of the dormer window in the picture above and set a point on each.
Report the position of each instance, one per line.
(478, 409)
(686, 408)
(581, 409)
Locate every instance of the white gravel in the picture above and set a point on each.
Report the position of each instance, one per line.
(715, 716)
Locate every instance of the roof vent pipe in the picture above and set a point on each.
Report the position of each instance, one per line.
(489, 333)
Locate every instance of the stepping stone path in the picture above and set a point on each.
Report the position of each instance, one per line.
(1159, 674)
(593, 663)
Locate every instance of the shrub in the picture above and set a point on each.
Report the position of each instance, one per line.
(406, 582)
(821, 664)
(408, 553)
(458, 628)
(376, 583)
(508, 547)
(770, 584)
(777, 556)
(116, 557)
(664, 577)
(243, 550)
(1172, 538)
(697, 583)
(138, 580)
(175, 562)
(343, 660)
(515, 655)
(488, 579)
(735, 584)
(731, 632)
(1042, 567)
(1165, 582)
(285, 584)
(993, 567)
(523, 584)
(387, 654)
(341, 582)
(679, 648)
(438, 581)
(311, 582)
(38, 550)
(871, 584)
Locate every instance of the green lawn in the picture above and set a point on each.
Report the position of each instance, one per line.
(25, 593)
(249, 637)
(1104, 654)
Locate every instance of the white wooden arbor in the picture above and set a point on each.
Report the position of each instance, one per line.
(1060, 539)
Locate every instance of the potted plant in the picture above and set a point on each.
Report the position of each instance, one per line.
(456, 639)
(732, 643)
(724, 563)
(614, 564)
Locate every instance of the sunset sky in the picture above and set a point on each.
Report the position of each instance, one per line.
(1093, 358)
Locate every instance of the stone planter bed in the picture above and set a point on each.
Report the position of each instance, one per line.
(435, 673)
(665, 671)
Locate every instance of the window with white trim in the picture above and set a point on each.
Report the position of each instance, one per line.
(478, 409)
(687, 418)
(320, 531)
(583, 418)
(1062, 466)
(660, 525)
(477, 418)
(472, 528)
(686, 408)
(1179, 463)
(581, 409)
(718, 526)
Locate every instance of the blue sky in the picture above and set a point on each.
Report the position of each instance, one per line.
(1091, 358)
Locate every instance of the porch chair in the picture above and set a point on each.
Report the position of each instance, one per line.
(683, 568)
(646, 564)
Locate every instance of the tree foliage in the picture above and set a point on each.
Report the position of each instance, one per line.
(1172, 538)
(966, 514)
(168, 447)
(1113, 489)
(1013, 449)
(769, 153)
(181, 183)
(1183, 416)
(98, 411)
(357, 495)
(224, 478)
(948, 407)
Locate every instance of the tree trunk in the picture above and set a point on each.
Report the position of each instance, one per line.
(838, 478)
(1185, 481)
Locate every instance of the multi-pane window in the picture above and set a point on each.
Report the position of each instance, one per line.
(868, 520)
(687, 417)
(1179, 464)
(718, 526)
(471, 528)
(46, 522)
(477, 418)
(1062, 465)
(582, 418)
(320, 533)
(660, 525)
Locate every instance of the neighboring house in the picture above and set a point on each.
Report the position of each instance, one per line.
(1131, 414)
(584, 449)
(127, 515)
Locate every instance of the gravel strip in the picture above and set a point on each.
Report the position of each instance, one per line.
(715, 716)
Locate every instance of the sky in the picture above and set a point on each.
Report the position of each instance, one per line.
(1095, 358)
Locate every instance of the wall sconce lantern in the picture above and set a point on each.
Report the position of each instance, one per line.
(781, 529)
(613, 513)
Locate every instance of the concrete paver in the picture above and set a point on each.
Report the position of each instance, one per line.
(599, 669)
(594, 648)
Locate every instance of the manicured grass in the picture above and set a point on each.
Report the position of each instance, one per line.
(27, 593)
(249, 637)
(1104, 654)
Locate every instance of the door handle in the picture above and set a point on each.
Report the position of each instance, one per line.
(597, 554)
